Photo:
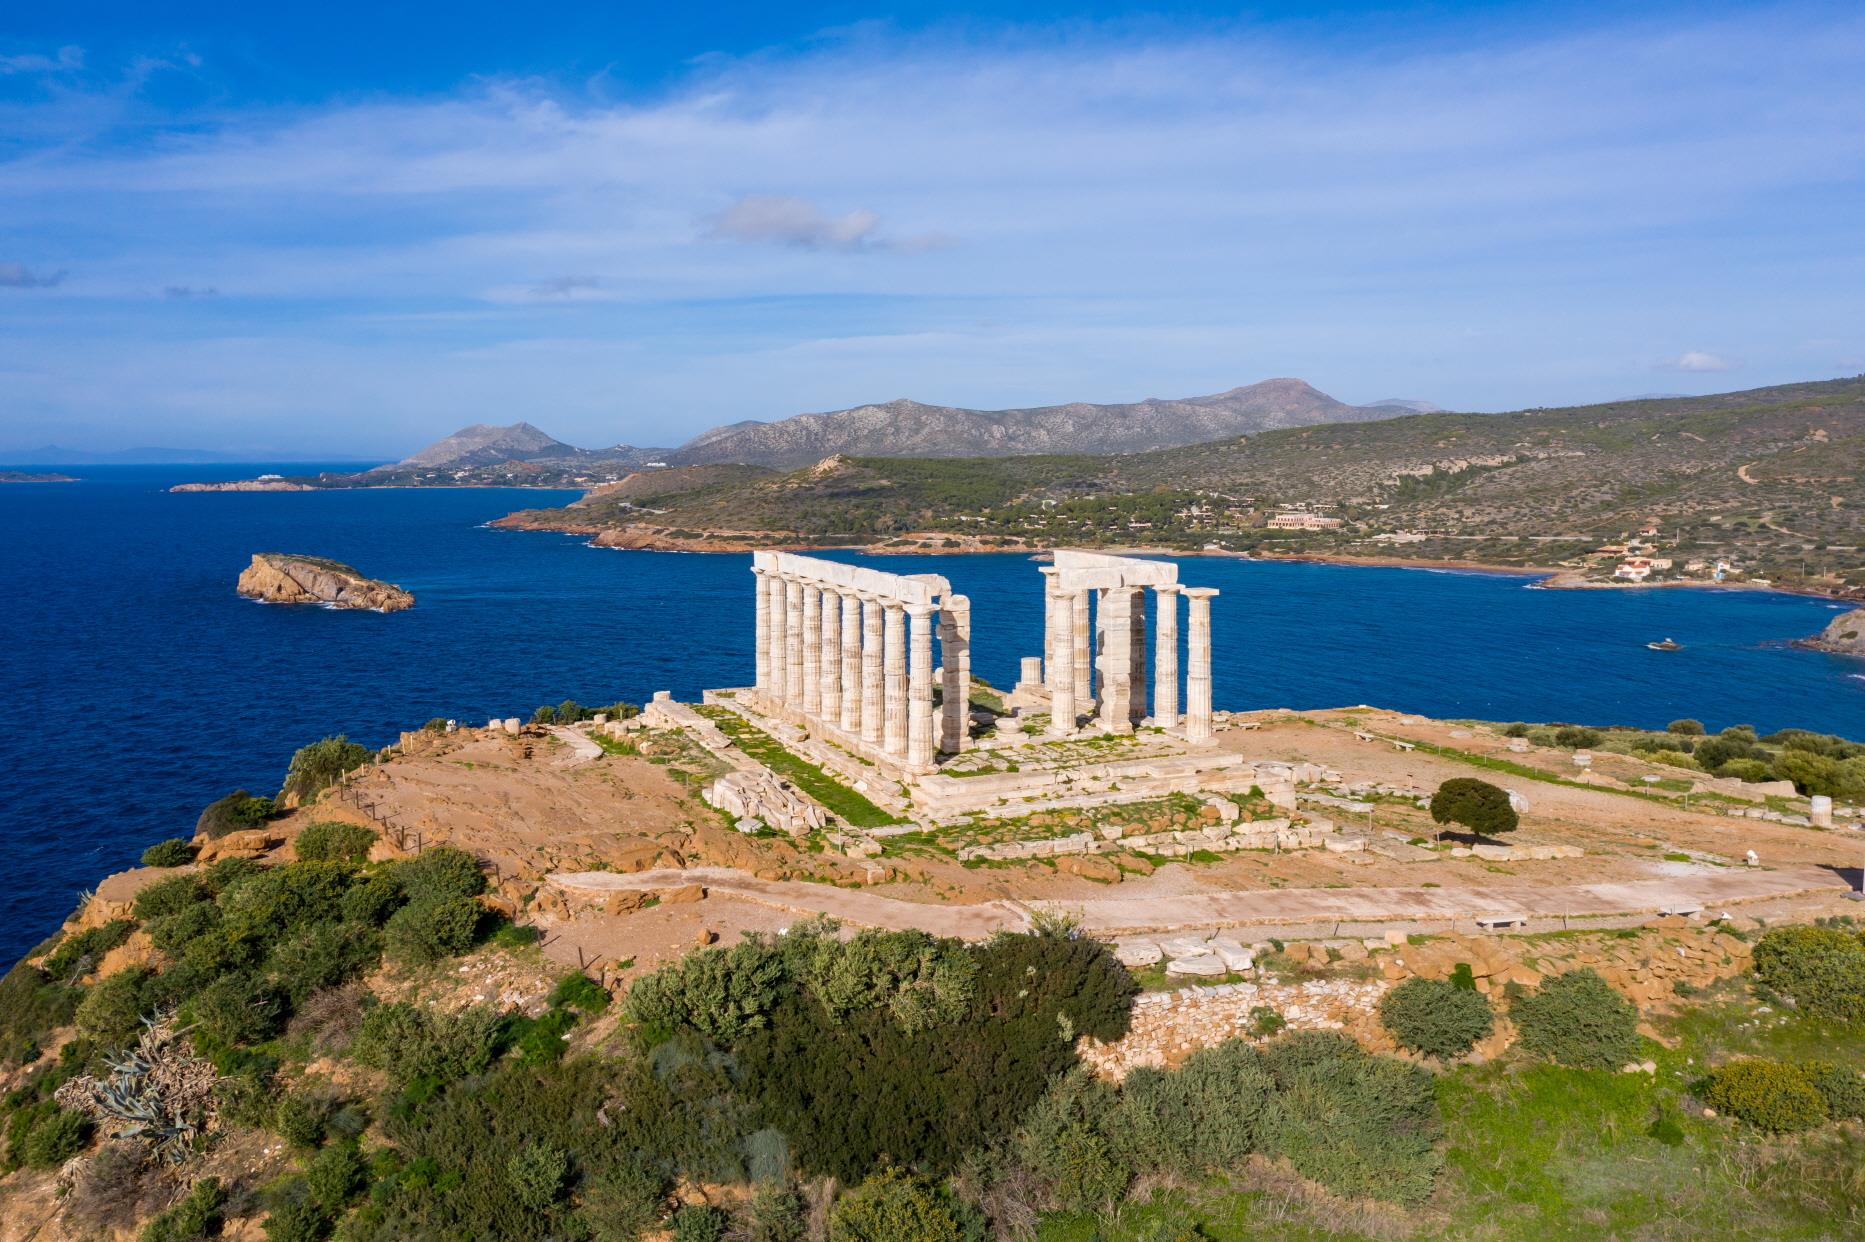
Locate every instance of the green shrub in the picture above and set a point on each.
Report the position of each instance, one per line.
(1436, 1017)
(408, 1042)
(1361, 1125)
(56, 1139)
(1064, 1140)
(31, 1006)
(373, 898)
(243, 1007)
(893, 1206)
(1206, 1115)
(1476, 805)
(1685, 727)
(1576, 737)
(111, 1012)
(167, 896)
(1579, 1020)
(541, 1039)
(921, 981)
(1842, 1088)
(1771, 1095)
(322, 955)
(426, 931)
(700, 1223)
(578, 991)
(439, 874)
(302, 1119)
(1746, 770)
(1518, 729)
(334, 841)
(323, 763)
(236, 812)
(173, 852)
(1820, 969)
(265, 906)
(335, 1175)
(78, 954)
(1265, 1021)
(536, 1172)
(196, 1218)
(721, 993)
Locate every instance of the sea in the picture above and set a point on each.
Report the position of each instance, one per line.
(137, 686)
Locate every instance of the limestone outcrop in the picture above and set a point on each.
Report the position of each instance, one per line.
(1845, 635)
(280, 578)
(245, 485)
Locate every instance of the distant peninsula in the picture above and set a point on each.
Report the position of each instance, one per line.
(26, 476)
(282, 578)
(1844, 636)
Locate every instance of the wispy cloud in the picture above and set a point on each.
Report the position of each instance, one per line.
(1696, 360)
(19, 276)
(67, 60)
(183, 292)
(787, 220)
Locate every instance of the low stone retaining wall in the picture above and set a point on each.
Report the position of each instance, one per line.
(1264, 834)
(1170, 1026)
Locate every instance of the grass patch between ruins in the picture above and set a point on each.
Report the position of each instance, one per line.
(838, 799)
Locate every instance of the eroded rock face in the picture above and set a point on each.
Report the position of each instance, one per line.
(279, 578)
(1845, 634)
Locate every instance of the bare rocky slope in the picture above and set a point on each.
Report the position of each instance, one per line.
(905, 428)
(280, 578)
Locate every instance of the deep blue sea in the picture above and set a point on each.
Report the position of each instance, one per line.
(138, 687)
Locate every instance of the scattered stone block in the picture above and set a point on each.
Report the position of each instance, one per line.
(1136, 954)
(1203, 966)
(683, 895)
(1234, 955)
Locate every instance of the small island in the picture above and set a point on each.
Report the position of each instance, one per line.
(1845, 635)
(282, 578)
(27, 476)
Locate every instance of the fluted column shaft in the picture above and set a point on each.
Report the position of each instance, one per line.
(793, 642)
(812, 649)
(1115, 624)
(1062, 660)
(894, 709)
(1166, 658)
(831, 657)
(761, 602)
(1136, 655)
(955, 657)
(1051, 669)
(851, 664)
(1198, 664)
(919, 686)
(873, 692)
(1082, 649)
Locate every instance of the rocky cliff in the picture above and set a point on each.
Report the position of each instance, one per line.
(1845, 635)
(278, 578)
(244, 485)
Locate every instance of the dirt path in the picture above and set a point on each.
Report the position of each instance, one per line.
(1107, 916)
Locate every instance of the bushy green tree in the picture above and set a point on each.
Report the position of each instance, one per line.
(1685, 727)
(323, 763)
(1577, 737)
(721, 993)
(1820, 969)
(440, 874)
(236, 812)
(1477, 805)
(1435, 1017)
(1579, 1020)
(426, 931)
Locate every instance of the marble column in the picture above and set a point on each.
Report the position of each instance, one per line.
(812, 649)
(873, 706)
(762, 602)
(1115, 623)
(1136, 656)
(919, 686)
(955, 656)
(851, 664)
(1082, 651)
(1166, 657)
(1051, 669)
(831, 657)
(1198, 664)
(1061, 660)
(894, 706)
(793, 642)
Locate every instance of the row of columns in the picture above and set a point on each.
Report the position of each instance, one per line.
(862, 663)
(1078, 660)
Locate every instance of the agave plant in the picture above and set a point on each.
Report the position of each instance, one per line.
(156, 1091)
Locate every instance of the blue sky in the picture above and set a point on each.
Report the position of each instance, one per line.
(348, 229)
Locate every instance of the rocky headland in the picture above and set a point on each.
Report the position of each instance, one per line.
(245, 485)
(1845, 635)
(280, 578)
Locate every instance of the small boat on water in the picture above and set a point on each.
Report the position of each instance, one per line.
(1669, 644)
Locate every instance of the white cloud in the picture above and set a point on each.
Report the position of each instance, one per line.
(67, 60)
(1695, 360)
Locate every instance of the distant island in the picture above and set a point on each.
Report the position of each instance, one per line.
(1755, 488)
(25, 476)
(282, 578)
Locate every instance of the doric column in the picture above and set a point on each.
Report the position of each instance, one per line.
(894, 705)
(1115, 623)
(1166, 658)
(1198, 664)
(919, 686)
(1136, 655)
(1061, 661)
(831, 657)
(955, 656)
(761, 601)
(1050, 667)
(793, 642)
(812, 649)
(873, 683)
(1082, 650)
(851, 663)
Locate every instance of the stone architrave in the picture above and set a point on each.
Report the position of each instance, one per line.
(1062, 660)
(812, 650)
(793, 642)
(955, 657)
(1116, 626)
(919, 686)
(831, 658)
(761, 601)
(1082, 650)
(873, 680)
(851, 663)
(894, 709)
(1198, 663)
(1166, 657)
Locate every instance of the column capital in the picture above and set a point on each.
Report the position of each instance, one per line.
(1048, 571)
(920, 611)
(1199, 592)
(1174, 588)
